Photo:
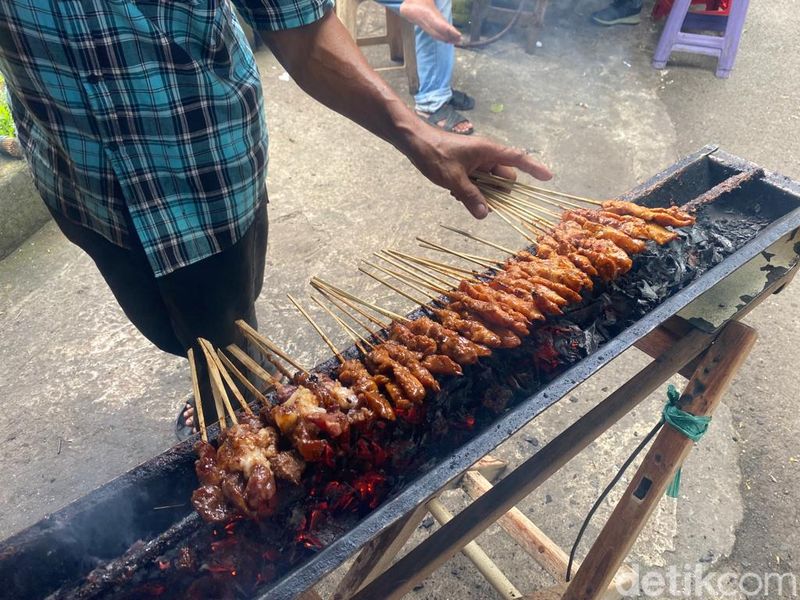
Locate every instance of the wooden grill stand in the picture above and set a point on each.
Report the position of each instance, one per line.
(709, 360)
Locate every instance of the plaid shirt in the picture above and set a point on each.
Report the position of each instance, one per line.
(144, 118)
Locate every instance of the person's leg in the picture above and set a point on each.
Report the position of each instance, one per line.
(619, 12)
(131, 280)
(427, 15)
(435, 61)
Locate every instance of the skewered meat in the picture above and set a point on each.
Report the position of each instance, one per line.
(354, 374)
(628, 224)
(508, 338)
(546, 300)
(673, 215)
(411, 361)
(288, 466)
(470, 329)
(524, 311)
(439, 364)
(300, 404)
(555, 268)
(552, 249)
(399, 401)
(380, 362)
(620, 238)
(489, 313)
(528, 282)
(417, 343)
(460, 349)
(237, 477)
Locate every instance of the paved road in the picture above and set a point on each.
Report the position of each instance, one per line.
(590, 106)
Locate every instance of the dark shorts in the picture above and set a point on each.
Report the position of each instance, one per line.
(203, 299)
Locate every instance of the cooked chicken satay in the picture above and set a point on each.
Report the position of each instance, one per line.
(399, 401)
(633, 226)
(672, 215)
(469, 328)
(354, 374)
(417, 343)
(437, 363)
(522, 310)
(620, 238)
(379, 361)
(528, 282)
(508, 338)
(411, 361)
(553, 267)
(451, 344)
(488, 313)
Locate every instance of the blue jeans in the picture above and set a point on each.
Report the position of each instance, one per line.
(435, 62)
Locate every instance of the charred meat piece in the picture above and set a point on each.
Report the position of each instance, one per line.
(459, 348)
(355, 375)
(508, 339)
(439, 364)
(260, 493)
(411, 361)
(672, 216)
(210, 503)
(489, 313)
(417, 343)
(524, 311)
(379, 361)
(288, 466)
(469, 328)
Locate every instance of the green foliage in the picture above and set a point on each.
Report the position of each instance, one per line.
(6, 123)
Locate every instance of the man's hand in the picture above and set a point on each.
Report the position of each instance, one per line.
(448, 159)
(323, 59)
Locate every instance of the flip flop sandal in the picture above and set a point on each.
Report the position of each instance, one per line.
(461, 101)
(450, 117)
(183, 431)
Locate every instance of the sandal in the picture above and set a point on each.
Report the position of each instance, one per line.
(461, 101)
(182, 430)
(446, 118)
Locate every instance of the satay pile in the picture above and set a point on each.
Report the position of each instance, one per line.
(315, 415)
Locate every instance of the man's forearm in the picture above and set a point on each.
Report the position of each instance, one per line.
(324, 60)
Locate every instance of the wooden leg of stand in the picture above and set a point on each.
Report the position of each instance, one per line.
(444, 543)
(378, 554)
(666, 455)
(394, 33)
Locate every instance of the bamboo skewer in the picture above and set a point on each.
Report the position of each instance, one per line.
(489, 262)
(227, 378)
(253, 366)
(396, 289)
(354, 335)
(439, 267)
(338, 303)
(529, 206)
(263, 340)
(376, 308)
(331, 295)
(415, 271)
(456, 270)
(509, 182)
(221, 399)
(493, 205)
(242, 378)
(468, 235)
(318, 329)
(198, 404)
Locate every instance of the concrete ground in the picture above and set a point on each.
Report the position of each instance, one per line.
(589, 105)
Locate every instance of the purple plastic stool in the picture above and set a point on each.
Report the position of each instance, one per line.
(723, 47)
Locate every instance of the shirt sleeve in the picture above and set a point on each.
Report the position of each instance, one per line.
(274, 15)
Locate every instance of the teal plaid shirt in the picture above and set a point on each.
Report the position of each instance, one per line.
(145, 118)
